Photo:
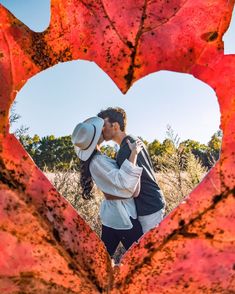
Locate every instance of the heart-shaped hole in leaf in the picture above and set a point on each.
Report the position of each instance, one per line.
(179, 164)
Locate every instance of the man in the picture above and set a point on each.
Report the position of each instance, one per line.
(150, 203)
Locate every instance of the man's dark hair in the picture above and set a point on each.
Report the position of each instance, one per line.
(116, 114)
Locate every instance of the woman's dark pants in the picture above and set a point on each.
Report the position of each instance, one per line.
(111, 237)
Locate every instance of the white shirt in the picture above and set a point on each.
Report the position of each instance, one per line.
(117, 182)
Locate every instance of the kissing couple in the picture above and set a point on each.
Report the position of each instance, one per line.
(133, 202)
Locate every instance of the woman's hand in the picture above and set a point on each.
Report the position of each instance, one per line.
(136, 146)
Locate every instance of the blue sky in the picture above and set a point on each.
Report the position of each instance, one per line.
(76, 90)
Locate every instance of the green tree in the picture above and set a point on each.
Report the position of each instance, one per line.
(195, 171)
(215, 142)
(214, 147)
(190, 145)
(30, 143)
(65, 154)
(155, 148)
(199, 150)
(168, 147)
(51, 153)
(45, 153)
(110, 151)
(14, 117)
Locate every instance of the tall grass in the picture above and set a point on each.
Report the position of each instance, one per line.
(173, 181)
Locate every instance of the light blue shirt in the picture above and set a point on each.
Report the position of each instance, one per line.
(117, 182)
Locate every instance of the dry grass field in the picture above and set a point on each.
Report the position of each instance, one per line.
(175, 187)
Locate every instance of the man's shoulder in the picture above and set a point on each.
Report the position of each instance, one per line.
(124, 150)
(132, 138)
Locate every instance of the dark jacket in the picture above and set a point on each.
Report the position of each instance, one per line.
(151, 198)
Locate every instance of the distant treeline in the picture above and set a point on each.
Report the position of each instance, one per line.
(51, 153)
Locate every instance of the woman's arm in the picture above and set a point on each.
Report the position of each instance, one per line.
(137, 190)
(135, 148)
(115, 182)
(112, 197)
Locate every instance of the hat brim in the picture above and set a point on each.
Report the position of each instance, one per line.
(98, 123)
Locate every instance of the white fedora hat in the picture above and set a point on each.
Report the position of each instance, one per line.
(86, 135)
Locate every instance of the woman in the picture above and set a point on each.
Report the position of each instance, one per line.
(118, 216)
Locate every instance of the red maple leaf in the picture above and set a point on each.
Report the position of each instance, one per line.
(45, 247)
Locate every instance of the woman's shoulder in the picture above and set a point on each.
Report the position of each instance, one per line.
(101, 162)
(102, 158)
